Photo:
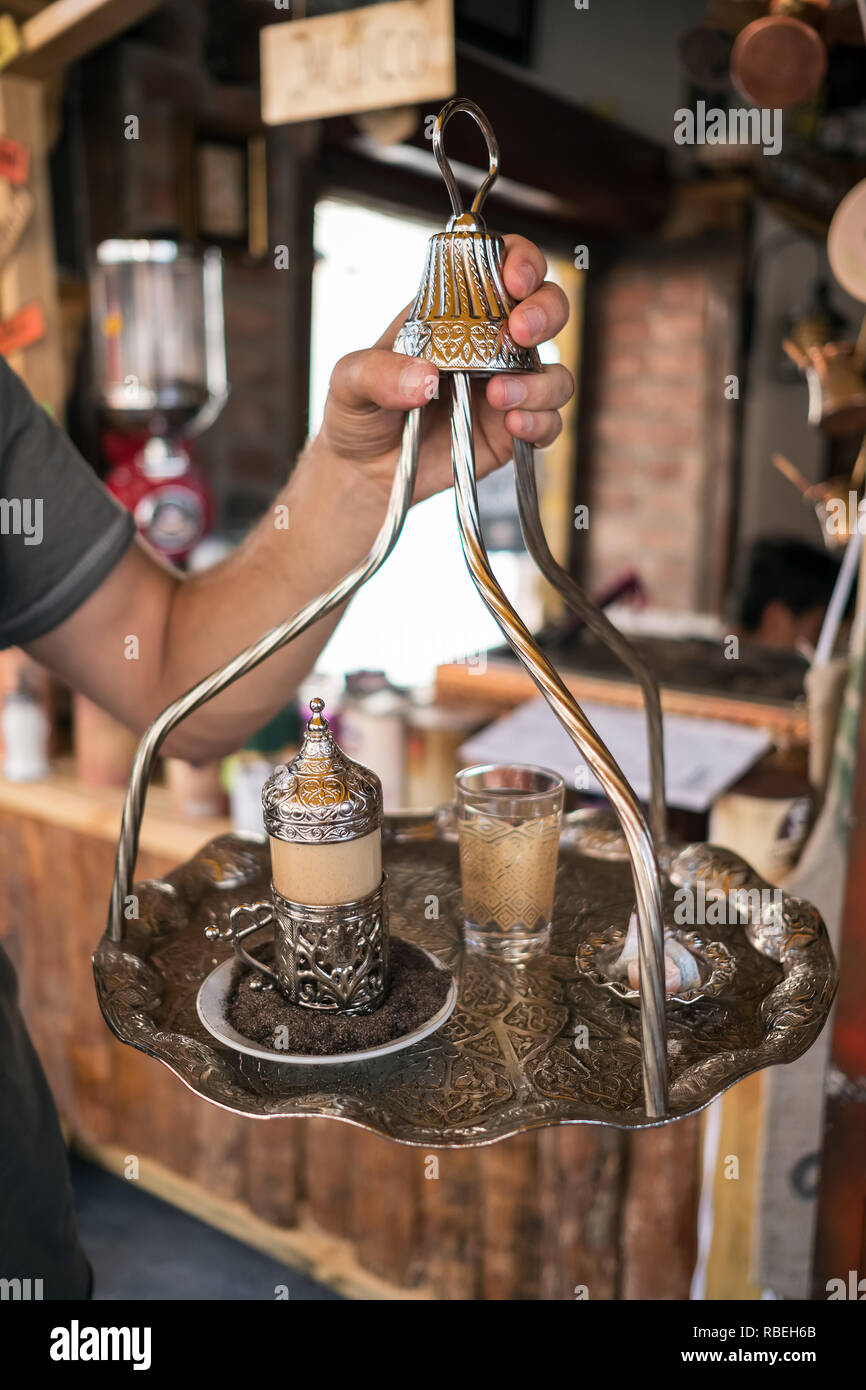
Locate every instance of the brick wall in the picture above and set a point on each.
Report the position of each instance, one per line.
(659, 437)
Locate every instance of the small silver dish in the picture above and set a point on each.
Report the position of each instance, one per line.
(598, 954)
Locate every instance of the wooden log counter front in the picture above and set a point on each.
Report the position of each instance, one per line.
(561, 1213)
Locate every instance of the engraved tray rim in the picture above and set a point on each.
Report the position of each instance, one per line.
(400, 1096)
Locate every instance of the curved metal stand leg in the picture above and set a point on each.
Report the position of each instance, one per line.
(644, 866)
(214, 684)
(600, 625)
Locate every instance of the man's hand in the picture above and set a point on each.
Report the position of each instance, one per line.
(372, 390)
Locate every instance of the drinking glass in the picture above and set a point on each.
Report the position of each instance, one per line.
(508, 821)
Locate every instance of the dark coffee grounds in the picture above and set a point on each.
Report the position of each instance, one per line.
(418, 991)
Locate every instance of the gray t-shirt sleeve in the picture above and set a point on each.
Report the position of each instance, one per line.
(61, 532)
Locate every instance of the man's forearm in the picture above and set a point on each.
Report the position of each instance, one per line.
(148, 634)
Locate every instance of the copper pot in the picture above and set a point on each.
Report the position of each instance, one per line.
(780, 59)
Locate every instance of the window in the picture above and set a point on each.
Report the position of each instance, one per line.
(422, 609)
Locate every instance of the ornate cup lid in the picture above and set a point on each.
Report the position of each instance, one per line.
(322, 796)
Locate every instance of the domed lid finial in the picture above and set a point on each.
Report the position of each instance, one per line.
(322, 795)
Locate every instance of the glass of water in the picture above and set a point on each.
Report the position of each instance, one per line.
(509, 819)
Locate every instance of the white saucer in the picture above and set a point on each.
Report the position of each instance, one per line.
(212, 1001)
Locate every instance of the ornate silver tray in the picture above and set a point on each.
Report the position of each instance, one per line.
(529, 1045)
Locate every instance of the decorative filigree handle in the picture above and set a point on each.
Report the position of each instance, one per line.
(263, 916)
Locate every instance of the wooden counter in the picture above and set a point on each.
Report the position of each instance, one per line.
(534, 1217)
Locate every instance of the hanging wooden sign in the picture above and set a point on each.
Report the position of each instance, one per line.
(361, 60)
(23, 329)
(14, 160)
(13, 219)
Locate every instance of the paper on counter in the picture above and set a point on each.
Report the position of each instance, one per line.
(703, 756)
